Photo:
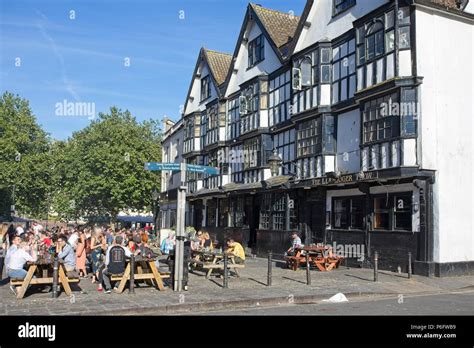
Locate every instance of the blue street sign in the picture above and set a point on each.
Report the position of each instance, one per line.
(161, 166)
(177, 166)
(202, 169)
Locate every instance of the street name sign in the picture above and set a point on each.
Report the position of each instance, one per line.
(177, 166)
(161, 166)
(202, 169)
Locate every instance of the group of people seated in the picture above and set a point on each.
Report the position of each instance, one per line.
(75, 247)
(202, 240)
(86, 251)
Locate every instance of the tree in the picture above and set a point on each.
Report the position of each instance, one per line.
(25, 161)
(101, 170)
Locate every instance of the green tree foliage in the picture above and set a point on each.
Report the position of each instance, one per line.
(101, 170)
(25, 162)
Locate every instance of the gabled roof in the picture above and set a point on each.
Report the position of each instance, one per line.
(280, 26)
(301, 23)
(218, 63)
(444, 4)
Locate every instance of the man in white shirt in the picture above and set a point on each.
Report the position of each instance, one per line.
(17, 260)
(15, 244)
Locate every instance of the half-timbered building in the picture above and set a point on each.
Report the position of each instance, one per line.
(367, 105)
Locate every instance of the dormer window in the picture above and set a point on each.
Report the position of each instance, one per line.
(205, 87)
(342, 5)
(256, 51)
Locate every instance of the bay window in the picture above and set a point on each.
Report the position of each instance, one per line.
(379, 122)
(309, 137)
(344, 72)
(284, 144)
(376, 45)
(233, 119)
(212, 125)
(280, 99)
(249, 108)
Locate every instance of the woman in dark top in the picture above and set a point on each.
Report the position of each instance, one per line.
(206, 240)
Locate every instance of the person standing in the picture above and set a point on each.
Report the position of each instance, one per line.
(168, 244)
(98, 246)
(81, 255)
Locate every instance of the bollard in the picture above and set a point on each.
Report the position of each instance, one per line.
(409, 265)
(55, 277)
(226, 271)
(308, 274)
(376, 265)
(269, 274)
(131, 289)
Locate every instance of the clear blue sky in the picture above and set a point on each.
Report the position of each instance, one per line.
(82, 59)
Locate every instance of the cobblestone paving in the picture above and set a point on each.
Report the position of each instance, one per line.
(251, 286)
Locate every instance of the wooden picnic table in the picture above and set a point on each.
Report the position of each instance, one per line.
(43, 268)
(319, 256)
(145, 270)
(213, 260)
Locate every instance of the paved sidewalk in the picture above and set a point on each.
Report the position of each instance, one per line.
(249, 290)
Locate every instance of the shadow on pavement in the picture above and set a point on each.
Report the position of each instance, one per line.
(295, 280)
(257, 281)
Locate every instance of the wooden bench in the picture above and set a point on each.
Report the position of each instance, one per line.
(16, 281)
(137, 276)
(40, 281)
(145, 270)
(294, 262)
(210, 266)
